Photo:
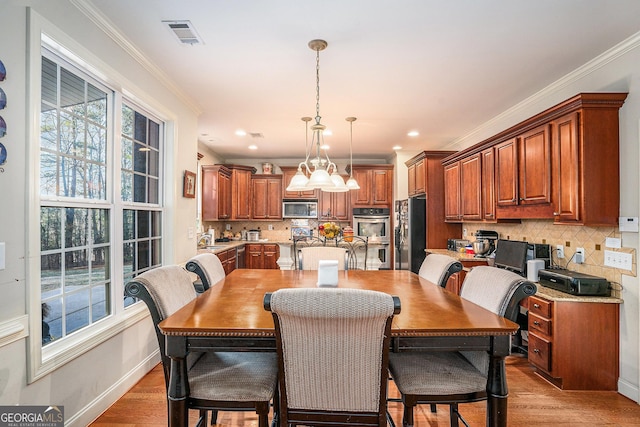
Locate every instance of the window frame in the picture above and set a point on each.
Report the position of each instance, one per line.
(44, 360)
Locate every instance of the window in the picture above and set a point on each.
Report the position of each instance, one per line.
(90, 183)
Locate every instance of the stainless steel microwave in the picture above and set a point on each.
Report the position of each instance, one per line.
(300, 209)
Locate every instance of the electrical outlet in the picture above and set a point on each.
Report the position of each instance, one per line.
(270, 227)
(578, 258)
(559, 251)
(464, 232)
(228, 227)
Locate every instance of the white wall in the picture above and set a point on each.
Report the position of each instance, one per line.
(617, 70)
(87, 385)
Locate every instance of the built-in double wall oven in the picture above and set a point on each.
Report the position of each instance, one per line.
(375, 223)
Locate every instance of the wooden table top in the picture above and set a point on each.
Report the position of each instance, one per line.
(234, 306)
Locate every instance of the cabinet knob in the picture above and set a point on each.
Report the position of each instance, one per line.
(537, 351)
(535, 322)
(521, 199)
(536, 305)
(556, 213)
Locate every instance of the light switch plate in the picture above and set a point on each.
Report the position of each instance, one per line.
(613, 242)
(2, 256)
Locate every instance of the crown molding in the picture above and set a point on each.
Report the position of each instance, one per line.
(87, 8)
(574, 76)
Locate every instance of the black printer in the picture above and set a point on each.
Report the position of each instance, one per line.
(574, 283)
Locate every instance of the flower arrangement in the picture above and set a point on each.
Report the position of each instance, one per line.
(329, 230)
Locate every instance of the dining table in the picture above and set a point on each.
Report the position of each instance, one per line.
(230, 316)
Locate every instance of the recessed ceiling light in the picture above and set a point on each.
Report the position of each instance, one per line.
(204, 134)
(397, 147)
(240, 132)
(253, 147)
(413, 133)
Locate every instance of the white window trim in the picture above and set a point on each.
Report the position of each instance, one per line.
(42, 361)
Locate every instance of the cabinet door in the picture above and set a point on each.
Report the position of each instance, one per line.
(224, 196)
(230, 264)
(335, 206)
(254, 256)
(421, 176)
(506, 164)
(241, 182)
(287, 174)
(535, 167)
(470, 184)
(271, 255)
(260, 198)
(209, 195)
(566, 165)
(274, 201)
(452, 211)
(381, 191)
(362, 196)
(411, 180)
(488, 185)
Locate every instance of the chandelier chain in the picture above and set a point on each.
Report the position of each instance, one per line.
(317, 86)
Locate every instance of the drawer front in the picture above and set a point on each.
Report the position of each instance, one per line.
(540, 307)
(539, 324)
(540, 352)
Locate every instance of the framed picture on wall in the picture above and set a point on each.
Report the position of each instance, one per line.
(189, 186)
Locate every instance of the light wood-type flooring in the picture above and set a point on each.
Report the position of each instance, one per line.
(532, 402)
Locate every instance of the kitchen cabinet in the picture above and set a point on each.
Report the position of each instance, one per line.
(266, 194)
(523, 171)
(287, 173)
(376, 185)
(216, 193)
(453, 193)
(228, 259)
(471, 187)
(454, 284)
(574, 344)
(335, 206)
(262, 255)
(241, 191)
(416, 177)
(562, 163)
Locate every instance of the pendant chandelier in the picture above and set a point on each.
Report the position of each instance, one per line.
(323, 173)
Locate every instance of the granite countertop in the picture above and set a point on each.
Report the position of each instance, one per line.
(542, 291)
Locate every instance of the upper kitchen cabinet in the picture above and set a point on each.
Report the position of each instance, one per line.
(287, 173)
(335, 206)
(216, 193)
(241, 191)
(267, 196)
(423, 168)
(562, 163)
(376, 185)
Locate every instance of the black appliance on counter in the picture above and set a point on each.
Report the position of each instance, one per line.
(512, 255)
(572, 282)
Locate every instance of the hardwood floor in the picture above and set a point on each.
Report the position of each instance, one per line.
(532, 402)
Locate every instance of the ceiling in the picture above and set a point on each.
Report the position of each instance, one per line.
(441, 68)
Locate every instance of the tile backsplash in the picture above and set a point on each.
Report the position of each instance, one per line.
(592, 239)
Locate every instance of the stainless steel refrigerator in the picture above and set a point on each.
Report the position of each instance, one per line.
(410, 233)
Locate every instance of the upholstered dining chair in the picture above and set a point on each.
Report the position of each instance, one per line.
(333, 347)
(308, 257)
(227, 381)
(437, 268)
(458, 377)
(208, 268)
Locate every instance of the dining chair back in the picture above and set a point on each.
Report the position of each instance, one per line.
(309, 257)
(208, 268)
(437, 268)
(458, 377)
(235, 381)
(333, 347)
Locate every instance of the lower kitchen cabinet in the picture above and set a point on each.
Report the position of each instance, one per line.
(454, 284)
(228, 259)
(574, 344)
(262, 255)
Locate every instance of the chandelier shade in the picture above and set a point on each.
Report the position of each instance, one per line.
(319, 172)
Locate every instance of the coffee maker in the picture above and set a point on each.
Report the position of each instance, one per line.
(489, 235)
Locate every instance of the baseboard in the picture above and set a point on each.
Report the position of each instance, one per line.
(95, 408)
(629, 390)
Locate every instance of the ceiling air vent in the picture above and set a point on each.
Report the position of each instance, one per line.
(256, 135)
(185, 32)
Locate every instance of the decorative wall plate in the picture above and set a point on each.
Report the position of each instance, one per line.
(3, 127)
(3, 71)
(3, 154)
(3, 99)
